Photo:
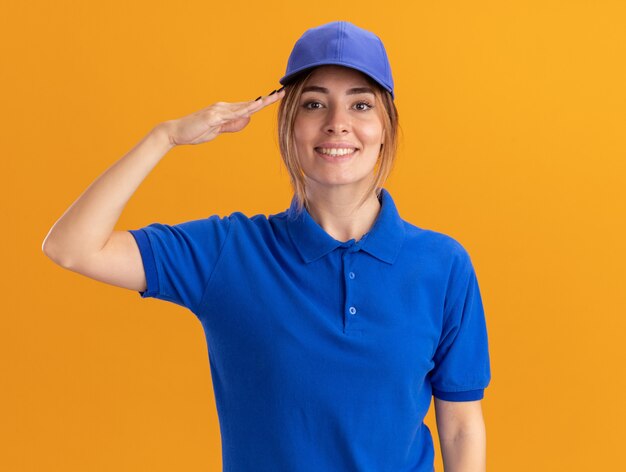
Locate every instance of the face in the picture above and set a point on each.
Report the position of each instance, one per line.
(338, 129)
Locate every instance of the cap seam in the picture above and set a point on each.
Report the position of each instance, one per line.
(340, 36)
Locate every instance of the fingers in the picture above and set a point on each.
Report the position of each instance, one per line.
(259, 103)
(263, 101)
(224, 112)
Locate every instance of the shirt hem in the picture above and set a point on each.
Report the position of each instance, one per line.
(149, 264)
(466, 396)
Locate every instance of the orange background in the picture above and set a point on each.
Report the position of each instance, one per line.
(513, 118)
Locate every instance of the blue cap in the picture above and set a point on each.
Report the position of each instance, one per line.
(344, 44)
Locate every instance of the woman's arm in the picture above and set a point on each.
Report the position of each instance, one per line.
(87, 224)
(461, 435)
(84, 240)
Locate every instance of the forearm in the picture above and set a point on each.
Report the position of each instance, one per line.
(465, 451)
(87, 224)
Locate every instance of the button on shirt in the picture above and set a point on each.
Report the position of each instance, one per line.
(324, 354)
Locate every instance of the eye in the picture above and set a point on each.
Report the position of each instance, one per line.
(363, 105)
(311, 105)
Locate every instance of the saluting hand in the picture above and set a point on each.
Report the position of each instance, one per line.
(221, 117)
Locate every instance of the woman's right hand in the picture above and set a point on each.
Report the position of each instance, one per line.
(221, 117)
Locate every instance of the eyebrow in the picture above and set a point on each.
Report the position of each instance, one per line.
(352, 91)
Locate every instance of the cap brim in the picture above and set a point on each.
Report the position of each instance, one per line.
(286, 79)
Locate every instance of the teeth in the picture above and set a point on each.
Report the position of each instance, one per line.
(336, 151)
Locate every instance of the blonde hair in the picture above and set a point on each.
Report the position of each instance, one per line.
(287, 111)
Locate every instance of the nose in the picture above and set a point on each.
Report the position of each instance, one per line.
(337, 122)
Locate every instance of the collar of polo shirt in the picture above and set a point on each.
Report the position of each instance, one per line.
(382, 241)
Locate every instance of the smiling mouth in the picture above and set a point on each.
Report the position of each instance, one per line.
(336, 152)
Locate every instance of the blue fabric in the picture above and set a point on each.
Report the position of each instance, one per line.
(341, 43)
(324, 354)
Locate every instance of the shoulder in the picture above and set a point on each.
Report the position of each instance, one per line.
(436, 244)
(260, 227)
(258, 220)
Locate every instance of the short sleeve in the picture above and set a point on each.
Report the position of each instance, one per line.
(179, 259)
(462, 367)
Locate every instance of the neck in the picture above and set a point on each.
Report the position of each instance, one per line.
(336, 210)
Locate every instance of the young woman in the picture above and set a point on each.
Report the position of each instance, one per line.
(331, 325)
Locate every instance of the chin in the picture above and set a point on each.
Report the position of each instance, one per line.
(332, 182)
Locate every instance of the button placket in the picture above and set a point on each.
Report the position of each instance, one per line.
(350, 307)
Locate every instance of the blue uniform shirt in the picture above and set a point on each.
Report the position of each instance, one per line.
(324, 354)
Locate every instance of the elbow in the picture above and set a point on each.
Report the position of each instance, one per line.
(56, 256)
(45, 247)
